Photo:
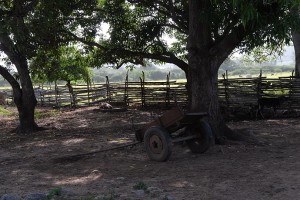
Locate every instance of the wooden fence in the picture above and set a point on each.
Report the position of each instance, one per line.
(234, 93)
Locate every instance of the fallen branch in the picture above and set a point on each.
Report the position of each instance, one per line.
(74, 158)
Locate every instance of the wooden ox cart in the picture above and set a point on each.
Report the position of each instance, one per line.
(175, 126)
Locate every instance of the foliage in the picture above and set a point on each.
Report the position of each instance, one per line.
(138, 29)
(28, 27)
(151, 73)
(64, 63)
(111, 195)
(40, 26)
(140, 186)
(54, 192)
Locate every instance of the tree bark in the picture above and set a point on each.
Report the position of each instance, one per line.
(24, 97)
(202, 75)
(296, 41)
(203, 92)
(27, 102)
(205, 56)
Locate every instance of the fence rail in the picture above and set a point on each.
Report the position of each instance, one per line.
(234, 93)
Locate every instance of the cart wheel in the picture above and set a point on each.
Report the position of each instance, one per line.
(158, 143)
(203, 142)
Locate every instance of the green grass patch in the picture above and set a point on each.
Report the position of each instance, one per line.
(54, 192)
(5, 112)
(111, 195)
(41, 114)
(140, 186)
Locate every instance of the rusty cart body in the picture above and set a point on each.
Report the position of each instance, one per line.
(175, 126)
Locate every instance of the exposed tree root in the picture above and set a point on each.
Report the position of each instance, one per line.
(26, 131)
(240, 135)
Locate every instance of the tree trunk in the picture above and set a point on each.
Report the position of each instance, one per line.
(203, 68)
(23, 97)
(203, 94)
(296, 41)
(26, 102)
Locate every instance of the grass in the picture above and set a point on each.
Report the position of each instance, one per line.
(111, 195)
(41, 114)
(88, 198)
(140, 186)
(5, 112)
(54, 192)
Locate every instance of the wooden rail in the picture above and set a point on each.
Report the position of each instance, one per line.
(234, 93)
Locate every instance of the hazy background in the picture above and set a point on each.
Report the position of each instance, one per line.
(236, 66)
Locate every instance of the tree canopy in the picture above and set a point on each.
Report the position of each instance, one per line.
(65, 63)
(140, 29)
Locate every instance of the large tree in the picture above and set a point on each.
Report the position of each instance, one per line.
(30, 25)
(210, 29)
(296, 42)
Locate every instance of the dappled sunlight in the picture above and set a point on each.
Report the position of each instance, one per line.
(30, 145)
(82, 123)
(79, 179)
(70, 142)
(182, 184)
(272, 134)
(63, 156)
(120, 141)
(16, 172)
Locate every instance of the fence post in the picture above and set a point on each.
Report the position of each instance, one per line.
(143, 92)
(56, 93)
(108, 94)
(126, 91)
(88, 88)
(226, 86)
(168, 87)
(42, 95)
(72, 95)
(49, 97)
(291, 91)
(258, 87)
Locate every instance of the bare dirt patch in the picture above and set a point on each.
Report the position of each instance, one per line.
(236, 171)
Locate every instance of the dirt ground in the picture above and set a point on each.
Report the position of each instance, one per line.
(31, 163)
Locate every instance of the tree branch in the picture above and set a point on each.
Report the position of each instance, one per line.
(82, 40)
(30, 6)
(224, 48)
(8, 47)
(163, 58)
(17, 92)
(167, 58)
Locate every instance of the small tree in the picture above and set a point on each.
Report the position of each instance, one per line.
(30, 25)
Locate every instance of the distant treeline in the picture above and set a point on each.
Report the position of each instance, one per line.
(153, 73)
(235, 68)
